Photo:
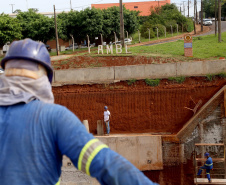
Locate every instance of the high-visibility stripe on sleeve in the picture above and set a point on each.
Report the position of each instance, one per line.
(209, 164)
(58, 183)
(87, 154)
(207, 173)
(92, 155)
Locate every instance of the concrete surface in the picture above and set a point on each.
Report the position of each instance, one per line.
(112, 74)
(145, 152)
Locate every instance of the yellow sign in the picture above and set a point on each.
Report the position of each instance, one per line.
(187, 37)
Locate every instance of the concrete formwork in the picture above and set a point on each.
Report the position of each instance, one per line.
(105, 74)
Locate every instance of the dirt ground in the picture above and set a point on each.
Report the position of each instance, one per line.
(138, 108)
(86, 61)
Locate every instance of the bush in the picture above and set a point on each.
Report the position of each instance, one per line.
(210, 77)
(152, 82)
(161, 30)
(222, 75)
(179, 79)
(189, 25)
(144, 30)
(132, 81)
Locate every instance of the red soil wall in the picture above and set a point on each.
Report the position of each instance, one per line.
(138, 108)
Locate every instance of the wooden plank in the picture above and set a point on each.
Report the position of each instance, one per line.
(189, 127)
(205, 181)
(214, 159)
(209, 144)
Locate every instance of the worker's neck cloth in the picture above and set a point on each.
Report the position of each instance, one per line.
(18, 89)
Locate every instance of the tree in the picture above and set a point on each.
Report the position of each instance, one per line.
(36, 26)
(166, 15)
(17, 11)
(10, 29)
(208, 8)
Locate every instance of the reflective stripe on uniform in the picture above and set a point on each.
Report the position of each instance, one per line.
(58, 183)
(207, 173)
(209, 164)
(87, 154)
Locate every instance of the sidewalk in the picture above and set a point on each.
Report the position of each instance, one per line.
(175, 38)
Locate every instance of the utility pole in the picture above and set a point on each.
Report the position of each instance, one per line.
(184, 7)
(201, 16)
(121, 25)
(188, 8)
(215, 9)
(194, 16)
(219, 20)
(57, 42)
(196, 13)
(70, 5)
(12, 6)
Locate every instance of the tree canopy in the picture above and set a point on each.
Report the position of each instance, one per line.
(10, 29)
(92, 22)
(166, 15)
(36, 26)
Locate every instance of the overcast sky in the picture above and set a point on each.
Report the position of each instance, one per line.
(64, 5)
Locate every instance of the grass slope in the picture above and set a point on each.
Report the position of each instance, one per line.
(205, 47)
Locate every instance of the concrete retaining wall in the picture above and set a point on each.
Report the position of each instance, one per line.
(105, 74)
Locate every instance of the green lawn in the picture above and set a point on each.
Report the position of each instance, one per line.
(205, 47)
(142, 39)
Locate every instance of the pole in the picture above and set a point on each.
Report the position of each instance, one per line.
(157, 33)
(139, 35)
(88, 43)
(149, 34)
(101, 39)
(215, 9)
(196, 11)
(201, 16)
(115, 37)
(12, 6)
(184, 8)
(121, 24)
(165, 30)
(127, 34)
(73, 42)
(188, 8)
(194, 16)
(70, 5)
(171, 30)
(219, 20)
(57, 42)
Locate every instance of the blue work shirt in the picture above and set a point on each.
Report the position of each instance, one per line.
(209, 163)
(33, 138)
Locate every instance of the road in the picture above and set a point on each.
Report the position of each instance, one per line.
(212, 29)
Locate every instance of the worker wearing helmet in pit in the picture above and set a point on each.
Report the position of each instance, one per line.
(208, 166)
(35, 133)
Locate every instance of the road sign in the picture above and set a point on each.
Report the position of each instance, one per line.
(188, 45)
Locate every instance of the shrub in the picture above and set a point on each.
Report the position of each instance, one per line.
(152, 82)
(222, 75)
(179, 79)
(132, 81)
(210, 77)
(161, 30)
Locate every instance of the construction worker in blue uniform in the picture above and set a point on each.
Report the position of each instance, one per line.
(35, 133)
(207, 166)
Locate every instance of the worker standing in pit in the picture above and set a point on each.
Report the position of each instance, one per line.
(35, 133)
(208, 166)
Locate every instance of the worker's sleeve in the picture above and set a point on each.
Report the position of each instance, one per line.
(92, 156)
